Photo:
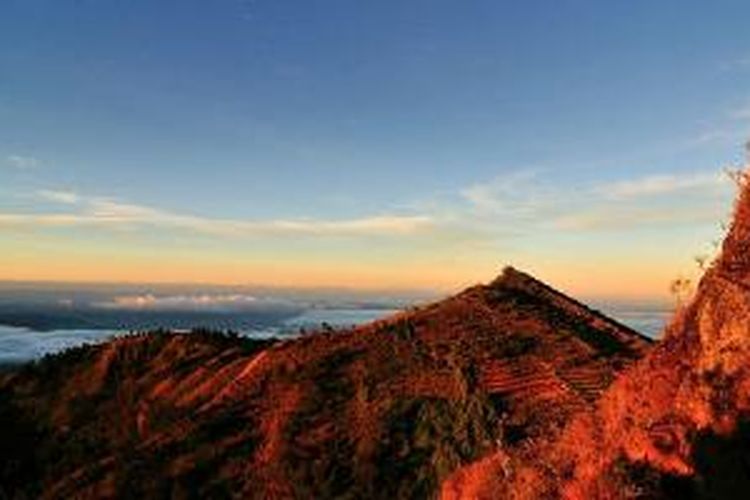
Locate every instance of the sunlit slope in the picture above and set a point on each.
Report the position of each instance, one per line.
(390, 409)
(674, 425)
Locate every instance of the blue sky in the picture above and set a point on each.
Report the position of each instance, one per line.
(380, 143)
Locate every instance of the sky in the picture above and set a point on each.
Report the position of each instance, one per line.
(379, 145)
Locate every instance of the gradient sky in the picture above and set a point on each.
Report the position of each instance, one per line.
(384, 144)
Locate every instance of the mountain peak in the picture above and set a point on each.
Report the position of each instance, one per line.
(511, 277)
(389, 409)
(520, 282)
(511, 273)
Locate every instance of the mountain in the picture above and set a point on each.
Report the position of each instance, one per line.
(393, 409)
(675, 424)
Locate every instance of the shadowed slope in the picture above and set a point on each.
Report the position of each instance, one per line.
(390, 409)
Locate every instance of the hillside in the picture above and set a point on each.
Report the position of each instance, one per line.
(390, 409)
(674, 425)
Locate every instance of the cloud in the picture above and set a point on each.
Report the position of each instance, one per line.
(661, 185)
(739, 63)
(716, 136)
(22, 162)
(205, 302)
(19, 345)
(505, 207)
(649, 201)
(530, 202)
(733, 128)
(65, 197)
(519, 193)
(613, 219)
(113, 214)
(43, 220)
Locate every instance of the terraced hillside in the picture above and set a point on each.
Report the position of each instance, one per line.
(391, 409)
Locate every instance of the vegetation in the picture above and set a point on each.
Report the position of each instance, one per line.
(390, 410)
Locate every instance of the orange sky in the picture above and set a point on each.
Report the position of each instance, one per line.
(593, 276)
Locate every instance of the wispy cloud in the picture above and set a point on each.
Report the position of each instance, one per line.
(648, 201)
(726, 135)
(730, 126)
(506, 206)
(204, 302)
(66, 197)
(626, 218)
(519, 193)
(21, 162)
(114, 214)
(661, 184)
(531, 202)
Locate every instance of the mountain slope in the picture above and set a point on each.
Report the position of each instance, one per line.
(677, 423)
(389, 409)
(674, 425)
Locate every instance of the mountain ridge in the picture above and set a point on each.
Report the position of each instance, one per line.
(389, 409)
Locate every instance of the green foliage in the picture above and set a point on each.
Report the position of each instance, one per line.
(425, 439)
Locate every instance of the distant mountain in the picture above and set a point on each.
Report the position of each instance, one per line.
(399, 408)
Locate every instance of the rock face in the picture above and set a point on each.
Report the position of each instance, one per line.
(675, 424)
(444, 398)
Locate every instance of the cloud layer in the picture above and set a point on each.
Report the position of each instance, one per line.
(111, 213)
(530, 199)
(204, 302)
(662, 184)
(524, 201)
